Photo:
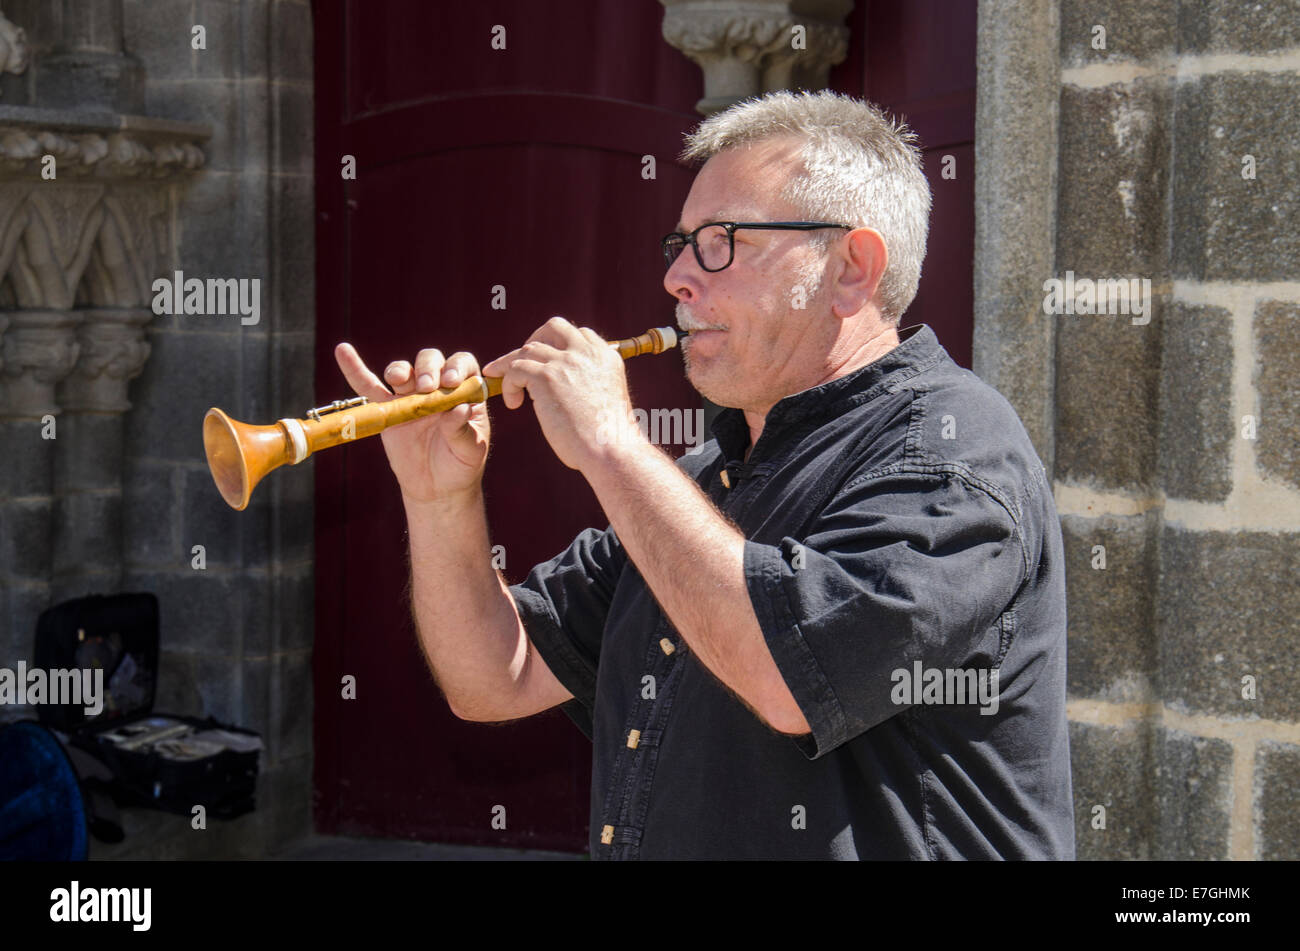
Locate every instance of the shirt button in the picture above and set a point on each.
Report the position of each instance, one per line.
(726, 479)
(607, 835)
(633, 739)
(666, 645)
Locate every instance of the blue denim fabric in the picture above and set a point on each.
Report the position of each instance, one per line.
(893, 517)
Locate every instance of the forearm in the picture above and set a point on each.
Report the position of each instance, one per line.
(693, 560)
(466, 620)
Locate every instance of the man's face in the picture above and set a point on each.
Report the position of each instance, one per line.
(759, 344)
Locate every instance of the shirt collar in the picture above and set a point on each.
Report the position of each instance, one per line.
(918, 350)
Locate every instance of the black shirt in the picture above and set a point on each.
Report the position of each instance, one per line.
(902, 551)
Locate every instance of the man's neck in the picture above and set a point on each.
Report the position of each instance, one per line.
(867, 352)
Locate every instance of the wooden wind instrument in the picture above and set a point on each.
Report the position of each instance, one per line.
(240, 454)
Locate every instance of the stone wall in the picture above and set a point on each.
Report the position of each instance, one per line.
(240, 630)
(1172, 436)
(237, 622)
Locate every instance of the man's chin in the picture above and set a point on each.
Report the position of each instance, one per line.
(713, 390)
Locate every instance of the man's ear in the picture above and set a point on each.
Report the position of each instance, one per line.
(865, 258)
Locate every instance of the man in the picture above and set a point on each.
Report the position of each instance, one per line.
(838, 631)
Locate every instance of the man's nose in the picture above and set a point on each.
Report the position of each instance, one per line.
(679, 281)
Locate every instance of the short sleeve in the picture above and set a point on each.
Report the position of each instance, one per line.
(907, 568)
(563, 604)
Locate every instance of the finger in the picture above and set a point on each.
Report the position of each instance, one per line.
(458, 418)
(539, 352)
(515, 382)
(400, 377)
(458, 368)
(557, 331)
(428, 368)
(363, 382)
(598, 343)
(534, 350)
(501, 364)
(456, 421)
(461, 437)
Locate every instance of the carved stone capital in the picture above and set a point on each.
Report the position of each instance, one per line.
(82, 243)
(111, 351)
(823, 45)
(40, 348)
(748, 47)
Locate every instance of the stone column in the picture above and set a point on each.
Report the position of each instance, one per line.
(87, 518)
(1016, 156)
(87, 67)
(39, 349)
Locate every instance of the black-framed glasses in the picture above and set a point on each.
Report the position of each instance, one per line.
(715, 241)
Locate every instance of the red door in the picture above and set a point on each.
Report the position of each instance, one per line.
(479, 172)
(520, 168)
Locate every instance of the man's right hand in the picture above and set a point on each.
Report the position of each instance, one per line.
(439, 457)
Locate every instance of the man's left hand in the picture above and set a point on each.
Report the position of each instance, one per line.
(578, 386)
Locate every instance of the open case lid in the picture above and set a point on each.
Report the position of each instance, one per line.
(115, 633)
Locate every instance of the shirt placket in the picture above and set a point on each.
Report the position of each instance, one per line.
(627, 800)
(627, 796)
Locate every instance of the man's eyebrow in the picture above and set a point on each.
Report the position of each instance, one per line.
(720, 215)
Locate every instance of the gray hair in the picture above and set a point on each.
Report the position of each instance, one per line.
(860, 168)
